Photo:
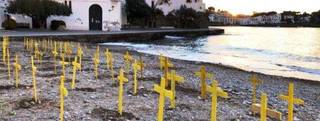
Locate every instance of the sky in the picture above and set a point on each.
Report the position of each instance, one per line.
(249, 6)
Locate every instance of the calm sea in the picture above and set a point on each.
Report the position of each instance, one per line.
(290, 52)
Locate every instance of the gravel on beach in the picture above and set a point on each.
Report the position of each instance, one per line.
(96, 99)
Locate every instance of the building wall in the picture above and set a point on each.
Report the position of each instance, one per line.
(197, 5)
(79, 19)
(17, 17)
(3, 4)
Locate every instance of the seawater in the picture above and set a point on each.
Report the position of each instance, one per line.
(288, 52)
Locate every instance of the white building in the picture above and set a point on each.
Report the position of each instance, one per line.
(197, 5)
(89, 15)
(221, 19)
(22, 20)
(261, 20)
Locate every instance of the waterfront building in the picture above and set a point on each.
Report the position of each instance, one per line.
(86, 15)
(22, 20)
(219, 19)
(270, 18)
(169, 5)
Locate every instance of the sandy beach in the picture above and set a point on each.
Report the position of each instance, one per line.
(96, 99)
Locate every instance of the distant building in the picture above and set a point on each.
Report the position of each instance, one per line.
(261, 19)
(220, 19)
(289, 17)
(86, 15)
(197, 5)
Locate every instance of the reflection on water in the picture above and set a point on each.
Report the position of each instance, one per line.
(291, 52)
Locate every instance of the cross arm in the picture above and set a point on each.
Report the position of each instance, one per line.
(295, 100)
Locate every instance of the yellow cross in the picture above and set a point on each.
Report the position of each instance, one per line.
(164, 63)
(127, 59)
(34, 70)
(142, 65)
(291, 101)
(264, 107)
(264, 111)
(17, 69)
(76, 66)
(215, 93)
(136, 68)
(8, 63)
(63, 63)
(55, 54)
(63, 93)
(254, 82)
(37, 54)
(96, 61)
(80, 54)
(203, 74)
(5, 44)
(163, 94)
(173, 77)
(122, 80)
(69, 51)
(106, 53)
(111, 65)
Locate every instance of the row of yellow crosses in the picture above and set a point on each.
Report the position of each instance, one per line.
(169, 77)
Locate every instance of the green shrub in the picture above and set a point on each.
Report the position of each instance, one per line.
(56, 24)
(9, 24)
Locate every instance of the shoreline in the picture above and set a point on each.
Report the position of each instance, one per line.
(94, 99)
(227, 66)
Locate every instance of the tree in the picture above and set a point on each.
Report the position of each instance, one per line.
(188, 18)
(211, 10)
(137, 9)
(315, 17)
(38, 10)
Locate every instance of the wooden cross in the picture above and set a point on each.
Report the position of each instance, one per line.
(122, 80)
(106, 53)
(174, 78)
(142, 65)
(163, 94)
(215, 93)
(203, 74)
(111, 65)
(5, 44)
(166, 66)
(55, 54)
(127, 59)
(254, 82)
(63, 93)
(96, 61)
(63, 63)
(264, 110)
(264, 107)
(136, 68)
(164, 63)
(17, 69)
(291, 100)
(34, 70)
(8, 63)
(76, 66)
(80, 54)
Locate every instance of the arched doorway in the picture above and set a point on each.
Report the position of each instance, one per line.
(95, 17)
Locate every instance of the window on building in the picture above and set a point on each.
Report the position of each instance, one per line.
(65, 2)
(152, 4)
(188, 1)
(70, 5)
